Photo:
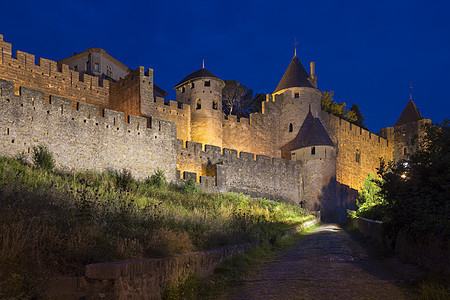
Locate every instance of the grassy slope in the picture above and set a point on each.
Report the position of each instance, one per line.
(54, 223)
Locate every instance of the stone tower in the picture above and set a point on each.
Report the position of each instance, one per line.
(298, 94)
(407, 131)
(202, 90)
(315, 151)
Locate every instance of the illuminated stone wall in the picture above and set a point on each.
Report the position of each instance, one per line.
(257, 176)
(359, 150)
(82, 140)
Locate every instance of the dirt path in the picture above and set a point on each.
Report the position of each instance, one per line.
(328, 264)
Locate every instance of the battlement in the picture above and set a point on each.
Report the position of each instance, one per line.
(171, 106)
(90, 114)
(353, 130)
(15, 68)
(211, 155)
(223, 169)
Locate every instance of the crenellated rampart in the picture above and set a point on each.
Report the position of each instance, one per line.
(173, 111)
(257, 134)
(46, 77)
(359, 150)
(81, 139)
(241, 172)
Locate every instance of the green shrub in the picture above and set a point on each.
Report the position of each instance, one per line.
(123, 179)
(189, 187)
(42, 158)
(158, 179)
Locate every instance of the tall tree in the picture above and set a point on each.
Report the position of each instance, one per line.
(359, 117)
(257, 102)
(339, 109)
(236, 99)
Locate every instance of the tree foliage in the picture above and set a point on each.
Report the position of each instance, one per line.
(354, 109)
(417, 190)
(370, 203)
(237, 99)
(340, 109)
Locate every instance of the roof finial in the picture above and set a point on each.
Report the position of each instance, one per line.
(295, 47)
(410, 92)
(203, 64)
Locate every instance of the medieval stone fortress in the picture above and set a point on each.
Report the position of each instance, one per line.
(93, 112)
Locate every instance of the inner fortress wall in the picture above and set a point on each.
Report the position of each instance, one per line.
(46, 77)
(359, 150)
(257, 176)
(258, 134)
(179, 113)
(131, 94)
(82, 140)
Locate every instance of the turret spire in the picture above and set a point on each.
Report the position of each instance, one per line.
(203, 64)
(295, 47)
(410, 92)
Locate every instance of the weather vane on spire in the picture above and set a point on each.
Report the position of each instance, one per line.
(203, 64)
(410, 92)
(295, 47)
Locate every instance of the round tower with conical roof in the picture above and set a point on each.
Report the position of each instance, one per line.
(298, 94)
(202, 90)
(316, 152)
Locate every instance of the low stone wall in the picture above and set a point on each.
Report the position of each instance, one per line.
(368, 227)
(430, 252)
(144, 278)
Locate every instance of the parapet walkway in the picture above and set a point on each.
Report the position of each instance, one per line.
(330, 263)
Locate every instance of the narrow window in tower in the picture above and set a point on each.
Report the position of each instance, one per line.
(199, 104)
(297, 95)
(183, 89)
(405, 151)
(313, 150)
(96, 67)
(208, 83)
(192, 85)
(291, 127)
(75, 68)
(214, 105)
(358, 156)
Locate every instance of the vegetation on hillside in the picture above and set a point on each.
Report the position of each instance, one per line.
(415, 193)
(55, 223)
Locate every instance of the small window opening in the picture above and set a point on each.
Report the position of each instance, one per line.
(405, 151)
(291, 127)
(358, 156)
(96, 67)
(199, 104)
(87, 66)
(297, 95)
(192, 85)
(214, 105)
(208, 83)
(183, 89)
(313, 150)
(75, 68)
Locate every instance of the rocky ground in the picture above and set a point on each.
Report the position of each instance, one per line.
(330, 263)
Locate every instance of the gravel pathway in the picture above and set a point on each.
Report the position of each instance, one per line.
(330, 263)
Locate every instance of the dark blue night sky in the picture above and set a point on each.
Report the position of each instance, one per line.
(368, 52)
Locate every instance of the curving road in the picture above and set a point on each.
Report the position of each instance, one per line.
(330, 263)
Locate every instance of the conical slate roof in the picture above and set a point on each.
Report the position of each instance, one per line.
(295, 76)
(312, 133)
(409, 114)
(200, 73)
